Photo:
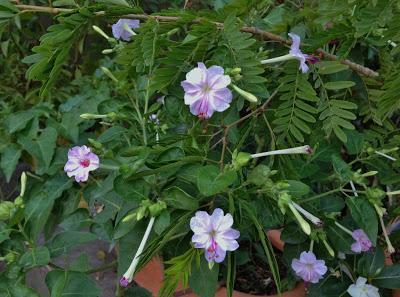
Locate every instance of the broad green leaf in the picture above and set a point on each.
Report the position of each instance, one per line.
(136, 291)
(36, 257)
(19, 120)
(80, 264)
(341, 168)
(292, 234)
(389, 277)
(9, 160)
(136, 190)
(297, 188)
(179, 199)
(211, 181)
(11, 288)
(364, 215)
(64, 241)
(371, 263)
(71, 283)
(76, 221)
(162, 222)
(340, 240)
(203, 280)
(338, 85)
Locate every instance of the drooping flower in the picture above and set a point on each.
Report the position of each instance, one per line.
(80, 162)
(294, 53)
(362, 244)
(309, 268)
(362, 289)
(214, 234)
(127, 278)
(123, 29)
(206, 90)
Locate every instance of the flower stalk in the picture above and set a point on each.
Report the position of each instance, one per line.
(316, 221)
(278, 59)
(380, 212)
(128, 276)
(303, 223)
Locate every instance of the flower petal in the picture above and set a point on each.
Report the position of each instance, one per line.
(295, 41)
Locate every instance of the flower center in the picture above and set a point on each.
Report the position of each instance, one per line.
(85, 163)
(206, 89)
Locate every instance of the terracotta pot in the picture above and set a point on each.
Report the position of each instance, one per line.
(151, 277)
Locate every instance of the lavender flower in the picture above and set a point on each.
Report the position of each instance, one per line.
(309, 268)
(214, 234)
(123, 29)
(80, 161)
(362, 289)
(294, 53)
(362, 244)
(206, 90)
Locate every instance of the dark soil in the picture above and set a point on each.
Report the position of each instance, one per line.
(255, 277)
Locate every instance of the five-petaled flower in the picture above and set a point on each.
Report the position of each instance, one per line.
(309, 268)
(123, 29)
(362, 244)
(214, 234)
(206, 90)
(362, 289)
(80, 162)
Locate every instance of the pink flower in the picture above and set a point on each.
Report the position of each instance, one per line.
(80, 161)
(123, 29)
(362, 244)
(214, 234)
(206, 90)
(309, 268)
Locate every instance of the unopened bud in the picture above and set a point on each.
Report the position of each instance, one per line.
(246, 95)
(107, 51)
(91, 116)
(109, 74)
(101, 32)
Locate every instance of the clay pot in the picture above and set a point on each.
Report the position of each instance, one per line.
(151, 277)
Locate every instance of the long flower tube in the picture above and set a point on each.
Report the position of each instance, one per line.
(303, 223)
(316, 221)
(390, 247)
(305, 149)
(128, 276)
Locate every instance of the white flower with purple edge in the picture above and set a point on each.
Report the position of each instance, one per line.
(80, 162)
(362, 244)
(362, 289)
(309, 268)
(214, 234)
(123, 29)
(206, 90)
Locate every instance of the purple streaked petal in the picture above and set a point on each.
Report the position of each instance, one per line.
(71, 165)
(295, 41)
(230, 234)
(202, 108)
(307, 257)
(119, 31)
(227, 244)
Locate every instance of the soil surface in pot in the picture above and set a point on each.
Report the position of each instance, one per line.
(255, 277)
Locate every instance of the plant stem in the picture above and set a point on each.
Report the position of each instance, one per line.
(102, 267)
(319, 196)
(253, 30)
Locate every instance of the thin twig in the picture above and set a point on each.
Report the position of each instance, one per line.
(253, 30)
(255, 112)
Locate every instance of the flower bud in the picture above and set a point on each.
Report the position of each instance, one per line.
(91, 116)
(236, 70)
(107, 51)
(157, 208)
(109, 74)
(101, 32)
(95, 144)
(246, 95)
(240, 160)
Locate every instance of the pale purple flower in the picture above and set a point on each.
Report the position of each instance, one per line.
(362, 244)
(309, 268)
(214, 234)
(124, 282)
(362, 289)
(296, 52)
(123, 29)
(206, 90)
(80, 161)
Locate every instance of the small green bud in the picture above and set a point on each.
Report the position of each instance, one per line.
(23, 184)
(173, 32)
(157, 208)
(370, 150)
(109, 74)
(370, 173)
(107, 51)
(10, 257)
(375, 195)
(91, 116)
(101, 32)
(95, 144)
(246, 95)
(236, 70)
(240, 159)
(19, 202)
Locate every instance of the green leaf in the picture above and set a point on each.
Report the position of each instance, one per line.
(341, 168)
(364, 215)
(162, 222)
(19, 120)
(36, 257)
(211, 181)
(371, 264)
(330, 67)
(203, 280)
(43, 148)
(136, 291)
(297, 188)
(292, 234)
(80, 264)
(76, 221)
(389, 277)
(355, 142)
(136, 190)
(338, 85)
(179, 199)
(9, 160)
(64, 241)
(115, 2)
(71, 283)
(11, 288)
